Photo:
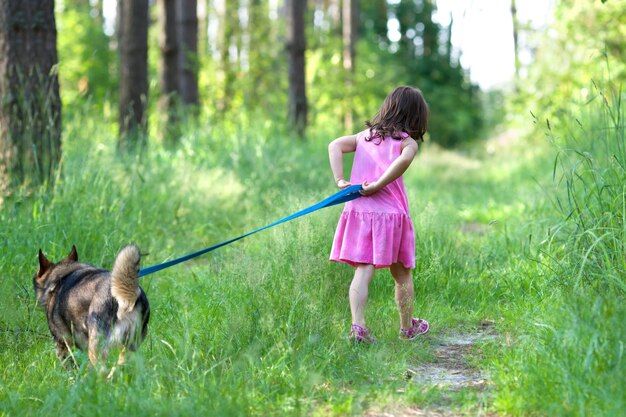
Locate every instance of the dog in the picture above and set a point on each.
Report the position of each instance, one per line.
(92, 308)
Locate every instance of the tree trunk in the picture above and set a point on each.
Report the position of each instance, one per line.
(260, 54)
(449, 47)
(168, 68)
(350, 21)
(431, 30)
(168, 47)
(228, 20)
(296, 47)
(133, 46)
(188, 62)
(30, 105)
(119, 18)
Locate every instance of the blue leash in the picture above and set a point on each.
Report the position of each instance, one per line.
(347, 194)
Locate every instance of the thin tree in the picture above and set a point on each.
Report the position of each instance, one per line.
(449, 47)
(264, 59)
(188, 55)
(430, 36)
(168, 50)
(168, 67)
(133, 46)
(228, 20)
(296, 47)
(30, 105)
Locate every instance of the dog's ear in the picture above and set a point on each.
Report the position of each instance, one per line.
(44, 264)
(73, 256)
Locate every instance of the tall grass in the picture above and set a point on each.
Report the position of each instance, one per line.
(571, 363)
(256, 328)
(31, 129)
(259, 327)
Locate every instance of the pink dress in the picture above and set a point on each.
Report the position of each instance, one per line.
(375, 229)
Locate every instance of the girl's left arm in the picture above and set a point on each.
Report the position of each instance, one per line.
(395, 170)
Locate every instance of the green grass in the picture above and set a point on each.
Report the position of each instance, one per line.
(570, 359)
(259, 327)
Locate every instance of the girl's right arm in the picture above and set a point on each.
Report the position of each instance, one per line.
(336, 149)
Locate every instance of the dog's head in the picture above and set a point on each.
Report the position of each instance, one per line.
(46, 278)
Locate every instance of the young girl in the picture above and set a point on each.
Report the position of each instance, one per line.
(375, 231)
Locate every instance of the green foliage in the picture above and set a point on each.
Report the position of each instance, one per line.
(569, 359)
(87, 59)
(586, 41)
(456, 111)
(32, 142)
(572, 350)
(422, 57)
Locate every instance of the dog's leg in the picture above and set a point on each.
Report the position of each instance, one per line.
(62, 349)
(94, 340)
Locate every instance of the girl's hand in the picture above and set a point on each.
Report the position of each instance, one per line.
(341, 183)
(370, 188)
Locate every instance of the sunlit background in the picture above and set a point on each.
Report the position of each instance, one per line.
(482, 32)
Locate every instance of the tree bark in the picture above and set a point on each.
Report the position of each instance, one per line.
(168, 69)
(260, 54)
(228, 21)
(30, 105)
(133, 46)
(431, 30)
(449, 48)
(188, 56)
(296, 47)
(168, 47)
(119, 18)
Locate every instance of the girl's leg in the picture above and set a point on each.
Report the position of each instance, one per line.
(358, 292)
(404, 293)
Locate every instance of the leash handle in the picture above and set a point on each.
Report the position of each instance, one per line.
(345, 195)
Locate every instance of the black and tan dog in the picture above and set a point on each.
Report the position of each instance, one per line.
(92, 308)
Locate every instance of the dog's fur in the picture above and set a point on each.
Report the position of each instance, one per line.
(92, 308)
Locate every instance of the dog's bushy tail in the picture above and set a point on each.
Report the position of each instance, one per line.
(125, 279)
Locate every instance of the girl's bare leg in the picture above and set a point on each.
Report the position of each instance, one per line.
(405, 293)
(358, 292)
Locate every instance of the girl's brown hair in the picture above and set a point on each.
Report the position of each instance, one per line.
(404, 110)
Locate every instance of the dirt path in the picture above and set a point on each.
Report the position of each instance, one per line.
(451, 371)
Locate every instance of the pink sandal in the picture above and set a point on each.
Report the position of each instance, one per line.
(418, 327)
(361, 334)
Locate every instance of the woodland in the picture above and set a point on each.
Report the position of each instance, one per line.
(179, 124)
